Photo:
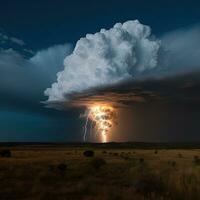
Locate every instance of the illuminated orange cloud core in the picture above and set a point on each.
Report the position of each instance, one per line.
(103, 116)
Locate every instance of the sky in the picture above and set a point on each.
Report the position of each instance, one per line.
(36, 37)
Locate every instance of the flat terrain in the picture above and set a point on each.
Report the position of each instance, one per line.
(63, 172)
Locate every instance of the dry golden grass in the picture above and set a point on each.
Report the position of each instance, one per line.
(65, 173)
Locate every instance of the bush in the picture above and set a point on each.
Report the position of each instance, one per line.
(173, 163)
(125, 157)
(51, 168)
(88, 153)
(5, 153)
(141, 160)
(98, 162)
(62, 167)
(156, 151)
(104, 152)
(180, 155)
(196, 160)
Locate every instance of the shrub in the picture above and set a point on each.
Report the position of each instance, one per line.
(180, 155)
(173, 163)
(156, 151)
(62, 167)
(51, 167)
(115, 154)
(98, 162)
(5, 153)
(125, 157)
(141, 160)
(88, 153)
(104, 152)
(196, 160)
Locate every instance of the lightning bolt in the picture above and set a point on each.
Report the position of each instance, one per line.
(102, 117)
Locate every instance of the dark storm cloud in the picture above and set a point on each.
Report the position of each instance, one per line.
(22, 81)
(182, 88)
(181, 51)
(25, 79)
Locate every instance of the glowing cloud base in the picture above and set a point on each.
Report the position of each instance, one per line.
(103, 117)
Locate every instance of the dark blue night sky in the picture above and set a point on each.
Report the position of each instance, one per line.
(36, 36)
(45, 23)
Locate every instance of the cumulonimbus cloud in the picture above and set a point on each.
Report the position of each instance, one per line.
(106, 58)
(125, 52)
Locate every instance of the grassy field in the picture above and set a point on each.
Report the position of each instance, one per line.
(54, 172)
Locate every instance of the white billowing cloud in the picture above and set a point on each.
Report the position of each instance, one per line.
(106, 58)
